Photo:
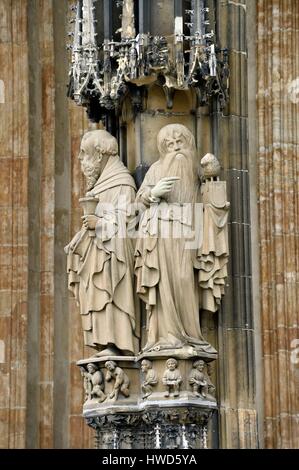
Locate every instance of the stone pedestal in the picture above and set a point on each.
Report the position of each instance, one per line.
(153, 416)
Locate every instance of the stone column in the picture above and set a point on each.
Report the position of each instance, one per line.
(236, 328)
(14, 221)
(277, 102)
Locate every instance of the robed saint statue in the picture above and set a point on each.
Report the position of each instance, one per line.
(100, 258)
(182, 249)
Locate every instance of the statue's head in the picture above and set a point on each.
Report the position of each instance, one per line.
(91, 368)
(96, 148)
(171, 363)
(175, 138)
(146, 365)
(110, 365)
(178, 158)
(199, 365)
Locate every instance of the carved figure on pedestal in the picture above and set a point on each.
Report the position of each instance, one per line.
(100, 256)
(150, 379)
(122, 382)
(182, 248)
(93, 383)
(200, 380)
(172, 378)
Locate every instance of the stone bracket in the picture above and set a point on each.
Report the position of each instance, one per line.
(167, 428)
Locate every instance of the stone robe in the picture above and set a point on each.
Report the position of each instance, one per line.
(174, 281)
(100, 266)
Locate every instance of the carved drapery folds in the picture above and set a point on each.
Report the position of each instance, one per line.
(165, 245)
(180, 259)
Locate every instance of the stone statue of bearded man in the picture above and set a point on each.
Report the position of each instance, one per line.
(100, 256)
(176, 278)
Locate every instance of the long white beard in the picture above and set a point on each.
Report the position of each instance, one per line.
(180, 164)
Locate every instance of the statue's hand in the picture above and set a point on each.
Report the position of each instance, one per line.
(163, 186)
(90, 221)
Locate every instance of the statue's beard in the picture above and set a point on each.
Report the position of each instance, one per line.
(182, 165)
(92, 174)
